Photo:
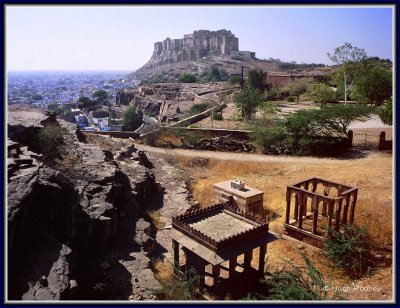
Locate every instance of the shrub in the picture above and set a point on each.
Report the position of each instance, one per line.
(291, 284)
(269, 138)
(320, 93)
(186, 287)
(132, 119)
(247, 100)
(198, 108)
(50, 138)
(234, 80)
(187, 78)
(290, 99)
(273, 94)
(192, 137)
(217, 116)
(152, 138)
(350, 250)
(385, 114)
(57, 109)
(321, 146)
(256, 79)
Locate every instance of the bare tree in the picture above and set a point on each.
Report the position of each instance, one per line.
(350, 58)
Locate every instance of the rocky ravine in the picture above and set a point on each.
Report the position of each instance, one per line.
(73, 228)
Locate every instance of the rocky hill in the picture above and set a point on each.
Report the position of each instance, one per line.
(197, 52)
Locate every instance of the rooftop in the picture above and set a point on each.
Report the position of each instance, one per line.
(222, 225)
(219, 232)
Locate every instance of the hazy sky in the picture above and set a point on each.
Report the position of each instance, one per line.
(122, 37)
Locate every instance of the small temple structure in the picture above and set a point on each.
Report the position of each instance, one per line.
(315, 205)
(237, 193)
(221, 233)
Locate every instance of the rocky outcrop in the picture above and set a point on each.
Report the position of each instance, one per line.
(193, 47)
(49, 276)
(42, 206)
(62, 218)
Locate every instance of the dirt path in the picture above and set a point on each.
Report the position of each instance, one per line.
(246, 157)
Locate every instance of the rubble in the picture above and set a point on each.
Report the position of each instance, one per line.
(224, 144)
(197, 162)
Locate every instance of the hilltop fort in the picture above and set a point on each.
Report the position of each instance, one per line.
(196, 46)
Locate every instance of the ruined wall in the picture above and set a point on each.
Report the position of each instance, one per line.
(192, 47)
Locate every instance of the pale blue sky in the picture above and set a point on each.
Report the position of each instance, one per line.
(123, 37)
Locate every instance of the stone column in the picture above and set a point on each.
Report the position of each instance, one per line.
(232, 267)
(296, 207)
(175, 247)
(215, 272)
(261, 261)
(197, 263)
(248, 256)
(345, 209)
(337, 216)
(300, 219)
(353, 206)
(288, 199)
(315, 214)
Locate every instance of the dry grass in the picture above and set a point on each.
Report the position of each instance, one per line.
(163, 272)
(156, 219)
(372, 175)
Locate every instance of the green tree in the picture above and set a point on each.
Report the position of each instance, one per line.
(273, 93)
(256, 79)
(385, 114)
(297, 87)
(328, 121)
(85, 102)
(132, 119)
(320, 93)
(268, 131)
(247, 101)
(37, 97)
(57, 109)
(198, 108)
(351, 60)
(374, 86)
(224, 74)
(311, 131)
(100, 95)
(187, 78)
(213, 74)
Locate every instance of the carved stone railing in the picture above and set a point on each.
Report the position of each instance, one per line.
(332, 207)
